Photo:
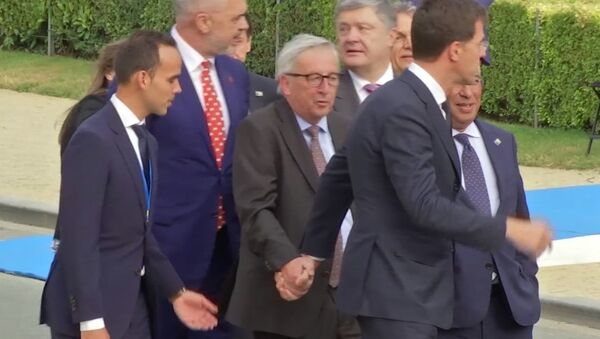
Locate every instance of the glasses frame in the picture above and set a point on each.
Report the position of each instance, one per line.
(316, 79)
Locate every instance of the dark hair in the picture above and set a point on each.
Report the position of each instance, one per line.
(98, 88)
(140, 53)
(438, 23)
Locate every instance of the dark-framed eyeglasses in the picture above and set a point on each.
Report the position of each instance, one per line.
(316, 79)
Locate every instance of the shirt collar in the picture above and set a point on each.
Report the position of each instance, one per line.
(472, 131)
(360, 82)
(128, 118)
(304, 125)
(432, 85)
(191, 58)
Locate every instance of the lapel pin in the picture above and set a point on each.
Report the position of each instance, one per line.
(258, 93)
(497, 142)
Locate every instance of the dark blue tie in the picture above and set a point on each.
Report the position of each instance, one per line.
(473, 174)
(142, 134)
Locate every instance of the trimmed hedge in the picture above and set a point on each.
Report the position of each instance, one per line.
(569, 57)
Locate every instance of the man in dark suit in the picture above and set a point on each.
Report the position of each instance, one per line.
(397, 273)
(280, 152)
(495, 293)
(263, 90)
(195, 223)
(364, 37)
(95, 287)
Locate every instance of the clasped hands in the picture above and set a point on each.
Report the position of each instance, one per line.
(295, 278)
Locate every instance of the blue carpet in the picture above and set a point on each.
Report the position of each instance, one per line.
(572, 211)
(27, 256)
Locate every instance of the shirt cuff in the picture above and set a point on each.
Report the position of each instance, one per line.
(314, 258)
(91, 325)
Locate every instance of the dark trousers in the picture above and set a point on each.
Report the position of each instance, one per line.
(139, 327)
(379, 328)
(214, 288)
(331, 324)
(497, 324)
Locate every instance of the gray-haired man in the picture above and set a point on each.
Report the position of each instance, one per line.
(279, 154)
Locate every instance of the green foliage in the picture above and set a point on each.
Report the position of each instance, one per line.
(568, 61)
(516, 86)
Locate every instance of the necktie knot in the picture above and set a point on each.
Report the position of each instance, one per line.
(313, 131)
(205, 65)
(370, 88)
(463, 139)
(140, 131)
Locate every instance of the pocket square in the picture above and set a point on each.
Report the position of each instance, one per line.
(258, 93)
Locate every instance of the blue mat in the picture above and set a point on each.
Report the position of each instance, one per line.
(572, 211)
(27, 256)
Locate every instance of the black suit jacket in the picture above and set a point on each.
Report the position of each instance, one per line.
(275, 181)
(405, 176)
(472, 267)
(346, 100)
(263, 91)
(105, 239)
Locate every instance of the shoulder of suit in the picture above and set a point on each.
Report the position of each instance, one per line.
(229, 61)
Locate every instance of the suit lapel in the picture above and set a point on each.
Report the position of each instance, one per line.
(495, 153)
(441, 125)
(296, 143)
(346, 101)
(337, 130)
(193, 108)
(127, 152)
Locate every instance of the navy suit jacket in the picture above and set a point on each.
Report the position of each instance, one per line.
(191, 182)
(472, 267)
(405, 176)
(105, 239)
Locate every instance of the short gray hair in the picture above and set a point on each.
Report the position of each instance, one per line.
(382, 8)
(185, 7)
(298, 45)
(403, 6)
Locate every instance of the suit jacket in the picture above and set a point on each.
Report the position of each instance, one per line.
(405, 176)
(346, 100)
(275, 180)
(105, 239)
(263, 91)
(472, 267)
(191, 182)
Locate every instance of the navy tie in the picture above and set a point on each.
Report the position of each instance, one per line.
(473, 175)
(142, 134)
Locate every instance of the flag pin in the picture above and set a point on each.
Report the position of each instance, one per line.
(497, 142)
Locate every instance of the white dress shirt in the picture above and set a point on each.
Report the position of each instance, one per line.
(476, 141)
(128, 118)
(326, 143)
(432, 85)
(359, 83)
(192, 61)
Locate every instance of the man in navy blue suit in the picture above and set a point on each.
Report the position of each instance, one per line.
(195, 223)
(108, 255)
(495, 293)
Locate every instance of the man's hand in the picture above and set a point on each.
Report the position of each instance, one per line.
(195, 311)
(530, 237)
(295, 278)
(95, 334)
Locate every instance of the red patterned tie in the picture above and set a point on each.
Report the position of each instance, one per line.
(216, 127)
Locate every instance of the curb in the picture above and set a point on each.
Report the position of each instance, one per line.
(27, 212)
(573, 310)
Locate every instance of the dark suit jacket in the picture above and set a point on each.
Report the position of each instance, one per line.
(105, 239)
(405, 178)
(191, 182)
(346, 100)
(263, 91)
(472, 267)
(275, 181)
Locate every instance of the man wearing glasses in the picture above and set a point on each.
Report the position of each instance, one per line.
(279, 154)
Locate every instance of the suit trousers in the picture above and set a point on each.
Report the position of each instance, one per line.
(497, 324)
(139, 328)
(332, 324)
(380, 328)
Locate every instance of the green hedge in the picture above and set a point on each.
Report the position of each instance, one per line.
(569, 57)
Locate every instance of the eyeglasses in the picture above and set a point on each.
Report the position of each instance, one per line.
(316, 79)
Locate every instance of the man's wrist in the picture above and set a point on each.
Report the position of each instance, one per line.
(177, 295)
